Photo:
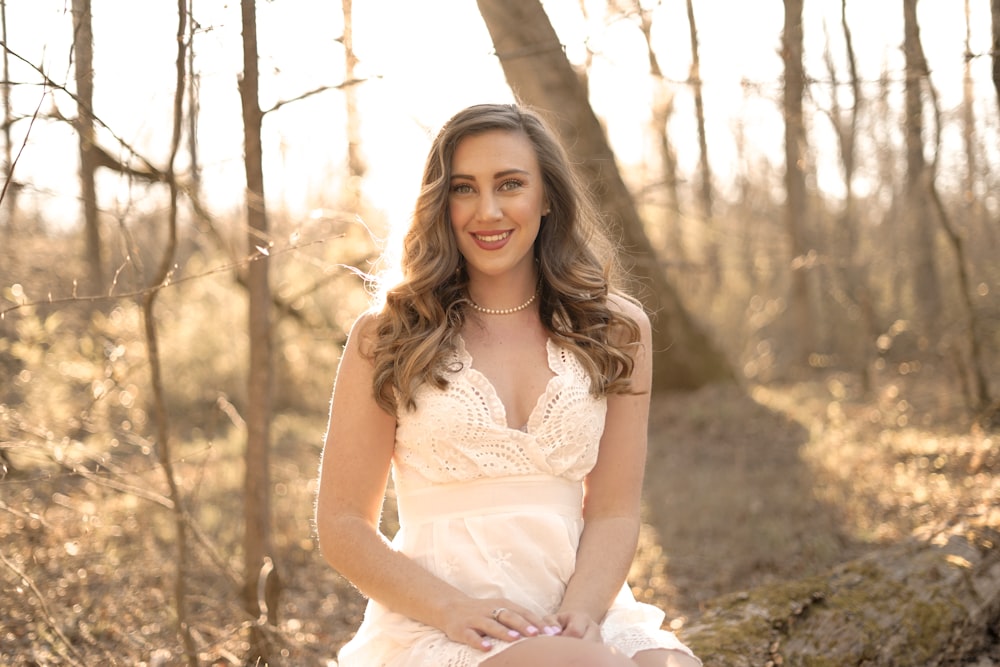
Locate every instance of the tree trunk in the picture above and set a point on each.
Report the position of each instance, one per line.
(8, 192)
(796, 214)
(917, 603)
(259, 564)
(704, 169)
(663, 108)
(979, 393)
(83, 52)
(926, 291)
(539, 73)
(748, 257)
(194, 111)
(980, 389)
(356, 166)
(969, 140)
(857, 276)
(995, 11)
(851, 269)
(161, 419)
(887, 277)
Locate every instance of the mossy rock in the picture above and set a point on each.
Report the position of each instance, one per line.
(923, 603)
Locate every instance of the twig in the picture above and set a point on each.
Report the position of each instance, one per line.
(167, 282)
(122, 487)
(25, 515)
(49, 619)
(10, 171)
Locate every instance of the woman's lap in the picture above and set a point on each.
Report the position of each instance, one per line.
(557, 651)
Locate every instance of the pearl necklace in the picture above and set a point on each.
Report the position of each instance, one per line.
(501, 311)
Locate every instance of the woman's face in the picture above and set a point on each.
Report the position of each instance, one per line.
(496, 201)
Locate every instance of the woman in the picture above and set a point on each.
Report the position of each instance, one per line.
(505, 387)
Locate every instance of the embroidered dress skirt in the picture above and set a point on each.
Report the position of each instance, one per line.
(512, 537)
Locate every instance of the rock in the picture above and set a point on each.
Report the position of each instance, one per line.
(927, 602)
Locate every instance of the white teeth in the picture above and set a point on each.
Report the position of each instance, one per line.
(493, 238)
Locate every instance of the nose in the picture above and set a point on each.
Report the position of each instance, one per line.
(489, 207)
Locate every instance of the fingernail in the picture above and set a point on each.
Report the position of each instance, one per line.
(531, 630)
(551, 630)
(514, 634)
(487, 644)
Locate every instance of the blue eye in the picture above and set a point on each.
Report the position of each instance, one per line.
(461, 188)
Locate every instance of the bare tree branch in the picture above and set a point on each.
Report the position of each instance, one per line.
(310, 93)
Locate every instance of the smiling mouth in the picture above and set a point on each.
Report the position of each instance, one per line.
(492, 238)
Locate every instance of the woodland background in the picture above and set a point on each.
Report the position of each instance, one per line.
(822, 269)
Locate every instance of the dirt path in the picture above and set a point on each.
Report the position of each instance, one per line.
(747, 488)
(730, 500)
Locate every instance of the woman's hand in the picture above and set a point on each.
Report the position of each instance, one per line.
(477, 622)
(578, 624)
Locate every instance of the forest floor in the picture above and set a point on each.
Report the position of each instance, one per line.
(745, 486)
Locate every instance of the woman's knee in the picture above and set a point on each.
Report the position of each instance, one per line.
(558, 652)
(665, 658)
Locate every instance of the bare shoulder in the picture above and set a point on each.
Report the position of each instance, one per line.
(363, 333)
(632, 309)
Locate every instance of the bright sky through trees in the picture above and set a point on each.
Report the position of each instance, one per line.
(424, 60)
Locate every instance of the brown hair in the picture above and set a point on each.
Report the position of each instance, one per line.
(422, 314)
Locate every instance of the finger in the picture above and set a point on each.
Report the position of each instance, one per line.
(576, 626)
(507, 634)
(476, 640)
(514, 623)
(551, 625)
(530, 624)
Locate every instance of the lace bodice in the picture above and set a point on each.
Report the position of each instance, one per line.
(460, 433)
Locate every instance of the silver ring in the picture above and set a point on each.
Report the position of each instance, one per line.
(496, 613)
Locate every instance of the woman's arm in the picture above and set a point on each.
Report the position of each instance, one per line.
(353, 474)
(613, 491)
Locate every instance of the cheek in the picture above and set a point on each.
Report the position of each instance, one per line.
(457, 215)
(531, 213)
(457, 220)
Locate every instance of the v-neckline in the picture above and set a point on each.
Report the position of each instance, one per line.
(540, 402)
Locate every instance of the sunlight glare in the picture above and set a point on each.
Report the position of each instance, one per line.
(420, 62)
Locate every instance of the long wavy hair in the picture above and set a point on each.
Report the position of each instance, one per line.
(423, 313)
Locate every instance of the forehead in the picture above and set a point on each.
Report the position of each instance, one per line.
(494, 150)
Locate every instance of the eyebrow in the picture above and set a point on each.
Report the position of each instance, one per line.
(499, 174)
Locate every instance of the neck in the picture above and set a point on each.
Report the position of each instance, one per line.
(511, 288)
(486, 310)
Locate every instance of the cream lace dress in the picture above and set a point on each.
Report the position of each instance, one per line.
(495, 511)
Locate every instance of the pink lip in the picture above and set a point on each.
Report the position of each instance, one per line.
(479, 238)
